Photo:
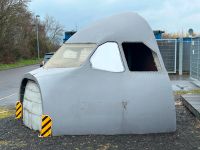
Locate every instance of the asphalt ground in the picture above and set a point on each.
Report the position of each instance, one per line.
(10, 82)
(14, 135)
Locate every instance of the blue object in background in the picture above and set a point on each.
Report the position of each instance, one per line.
(187, 39)
(158, 34)
(68, 34)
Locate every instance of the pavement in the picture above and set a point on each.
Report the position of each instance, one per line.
(182, 83)
(192, 103)
(10, 82)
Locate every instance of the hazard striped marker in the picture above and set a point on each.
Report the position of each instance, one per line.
(18, 113)
(46, 129)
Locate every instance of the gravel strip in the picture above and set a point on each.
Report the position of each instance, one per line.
(13, 135)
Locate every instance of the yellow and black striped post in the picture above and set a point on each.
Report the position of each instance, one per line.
(46, 129)
(18, 113)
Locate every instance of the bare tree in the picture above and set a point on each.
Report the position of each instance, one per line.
(54, 30)
(18, 35)
(177, 35)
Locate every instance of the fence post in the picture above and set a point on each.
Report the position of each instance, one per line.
(181, 56)
(191, 56)
(198, 59)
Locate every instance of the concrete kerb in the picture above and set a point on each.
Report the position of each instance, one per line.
(189, 106)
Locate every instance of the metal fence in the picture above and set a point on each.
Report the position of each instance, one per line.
(195, 59)
(186, 55)
(168, 50)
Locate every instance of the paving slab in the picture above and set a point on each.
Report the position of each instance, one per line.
(182, 83)
(192, 102)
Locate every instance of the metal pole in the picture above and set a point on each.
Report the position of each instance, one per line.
(198, 57)
(191, 56)
(175, 55)
(181, 56)
(38, 47)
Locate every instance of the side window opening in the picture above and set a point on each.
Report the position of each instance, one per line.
(107, 57)
(140, 58)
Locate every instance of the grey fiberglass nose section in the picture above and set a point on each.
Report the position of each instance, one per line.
(108, 78)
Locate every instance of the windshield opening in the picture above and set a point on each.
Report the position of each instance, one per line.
(70, 55)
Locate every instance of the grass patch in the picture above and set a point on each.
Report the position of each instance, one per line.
(196, 91)
(19, 63)
(6, 112)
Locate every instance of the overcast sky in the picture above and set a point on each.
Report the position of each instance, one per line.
(167, 15)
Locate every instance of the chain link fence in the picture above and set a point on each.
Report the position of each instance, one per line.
(168, 50)
(195, 59)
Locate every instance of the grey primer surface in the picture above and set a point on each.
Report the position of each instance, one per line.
(84, 100)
